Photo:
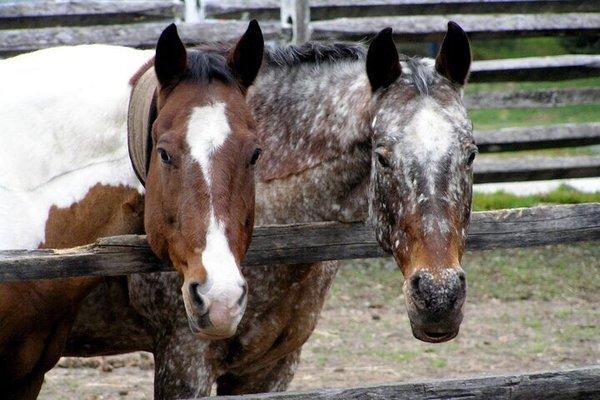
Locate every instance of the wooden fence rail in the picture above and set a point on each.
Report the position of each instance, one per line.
(302, 243)
(142, 35)
(533, 98)
(551, 68)
(519, 169)
(581, 383)
(44, 13)
(433, 28)
(538, 137)
(329, 9)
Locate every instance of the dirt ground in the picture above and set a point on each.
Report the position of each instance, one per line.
(528, 310)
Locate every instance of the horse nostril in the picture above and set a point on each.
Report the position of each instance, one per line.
(198, 298)
(415, 281)
(462, 277)
(244, 292)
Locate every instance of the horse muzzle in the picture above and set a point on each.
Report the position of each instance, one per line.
(435, 304)
(214, 314)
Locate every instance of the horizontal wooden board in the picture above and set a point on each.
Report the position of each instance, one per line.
(536, 68)
(538, 137)
(44, 13)
(535, 168)
(581, 383)
(302, 243)
(328, 9)
(135, 35)
(432, 28)
(533, 98)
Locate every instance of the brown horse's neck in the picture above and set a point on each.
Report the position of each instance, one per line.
(315, 131)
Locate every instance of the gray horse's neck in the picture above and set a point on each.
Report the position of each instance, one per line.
(314, 127)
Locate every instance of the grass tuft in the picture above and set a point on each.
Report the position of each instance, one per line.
(562, 195)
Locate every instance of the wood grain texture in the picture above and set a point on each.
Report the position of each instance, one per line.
(549, 68)
(44, 13)
(581, 383)
(535, 168)
(533, 98)
(302, 243)
(538, 137)
(328, 9)
(135, 35)
(433, 28)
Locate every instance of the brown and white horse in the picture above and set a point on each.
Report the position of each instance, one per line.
(347, 135)
(67, 179)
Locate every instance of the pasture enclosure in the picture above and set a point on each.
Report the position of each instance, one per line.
(30, 26)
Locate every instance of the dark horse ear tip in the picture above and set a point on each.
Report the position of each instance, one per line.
(172, 28)
(254, 28)
(385, 33)
(168, 33)
(455, 28)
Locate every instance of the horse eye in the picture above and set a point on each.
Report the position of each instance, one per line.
(383, 161)
(382, 158)
(255, 156)
(471, 157)
(164, 156)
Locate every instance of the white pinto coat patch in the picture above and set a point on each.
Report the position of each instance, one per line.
(63, 129)
(208, 129)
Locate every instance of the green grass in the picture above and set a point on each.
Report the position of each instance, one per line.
(545, 273)
(504, 118)
(563, 195)
(511, 48)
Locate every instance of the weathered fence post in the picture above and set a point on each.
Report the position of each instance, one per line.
(295, 17)
(194, 10)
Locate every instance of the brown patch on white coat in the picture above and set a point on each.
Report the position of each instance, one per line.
(199, 206)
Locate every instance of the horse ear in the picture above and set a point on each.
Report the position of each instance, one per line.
(246, 58)
(454, 59)
(383, 64)
(170, 61)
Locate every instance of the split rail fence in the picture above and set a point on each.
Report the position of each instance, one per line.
(28, 26)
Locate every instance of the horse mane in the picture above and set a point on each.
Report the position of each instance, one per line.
(313, 52)
(203, 66)
(416, 71)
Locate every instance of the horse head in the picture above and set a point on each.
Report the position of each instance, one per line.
(421, 175)
(199, 201)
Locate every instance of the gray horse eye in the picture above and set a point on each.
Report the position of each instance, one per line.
(473, 153)
(382, 157)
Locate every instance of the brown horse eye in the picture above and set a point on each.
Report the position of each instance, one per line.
(164, 156)
(255, 156)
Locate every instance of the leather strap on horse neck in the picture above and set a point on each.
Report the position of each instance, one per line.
(140, 117)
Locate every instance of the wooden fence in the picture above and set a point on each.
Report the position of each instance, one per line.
(582, 383)
(30, 26)
(304, 243)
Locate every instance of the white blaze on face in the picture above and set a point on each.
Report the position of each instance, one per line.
(208, 129)
(429, 134)
(427, 138)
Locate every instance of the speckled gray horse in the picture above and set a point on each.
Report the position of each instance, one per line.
(338, 139)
